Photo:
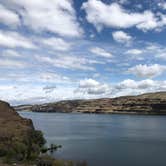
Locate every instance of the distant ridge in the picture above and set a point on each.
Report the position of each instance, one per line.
(149, 103)
(160, 95)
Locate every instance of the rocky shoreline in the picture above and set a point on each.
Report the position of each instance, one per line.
(150, 103)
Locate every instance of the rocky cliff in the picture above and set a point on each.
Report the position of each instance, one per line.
(151, 103)
(18, 139)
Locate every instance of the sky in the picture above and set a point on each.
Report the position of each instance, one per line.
(81, 49)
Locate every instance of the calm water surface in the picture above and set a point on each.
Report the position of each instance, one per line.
(105, 140)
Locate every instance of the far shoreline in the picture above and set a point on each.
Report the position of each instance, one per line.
(102, 113)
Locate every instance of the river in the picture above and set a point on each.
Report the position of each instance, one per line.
(105, 140)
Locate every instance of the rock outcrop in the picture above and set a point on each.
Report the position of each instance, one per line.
(18, 139)
(151, 103)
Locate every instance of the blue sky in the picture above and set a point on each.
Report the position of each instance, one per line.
(72, 49)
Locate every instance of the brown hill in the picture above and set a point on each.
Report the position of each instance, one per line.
(150, 103)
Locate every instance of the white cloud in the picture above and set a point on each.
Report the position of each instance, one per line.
(10, 63)
(121, 37)
(101, 52)
(98, 13)
(87, 89)
(68, 62)
(6, 87)
(147, 85)
(37, 77)
(88, 83)
(132, 87)
(132, 84)
(56, 43)
(144, 84)
(13, 39)
(50, 77)
(99, 90)
(161, 55)
(135, 54)
(49, 89)
(150, 23)
(156, 50)
(17, 93)
(128, 83)
(57, 16)
(10, 53)
(159, 52)
(93, 87)
(134, 51)
(8, 17)
(162, 5)
(123, 1)
(152, 47)
(148, 71)
(90, 87)
(34, 94)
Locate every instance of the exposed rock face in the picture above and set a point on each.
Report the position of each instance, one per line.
(152, 103)
(18, 138)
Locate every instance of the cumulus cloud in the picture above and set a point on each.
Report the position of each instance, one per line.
(98, 13)
(13, 39)
(121, 37)
(102, 89)
(147, 85)
(132, 87)
(57, 16)
(101, 52)
(88, 83)
(132, 84)
(148, 71)
(93, 87)
(42, 53)
(8, 17)
(87, 89)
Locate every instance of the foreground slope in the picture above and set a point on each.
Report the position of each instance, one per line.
(18, 139)
(21, 144)
(150, 103)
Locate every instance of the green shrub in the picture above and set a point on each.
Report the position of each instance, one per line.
(3, 152)
(38, 138)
